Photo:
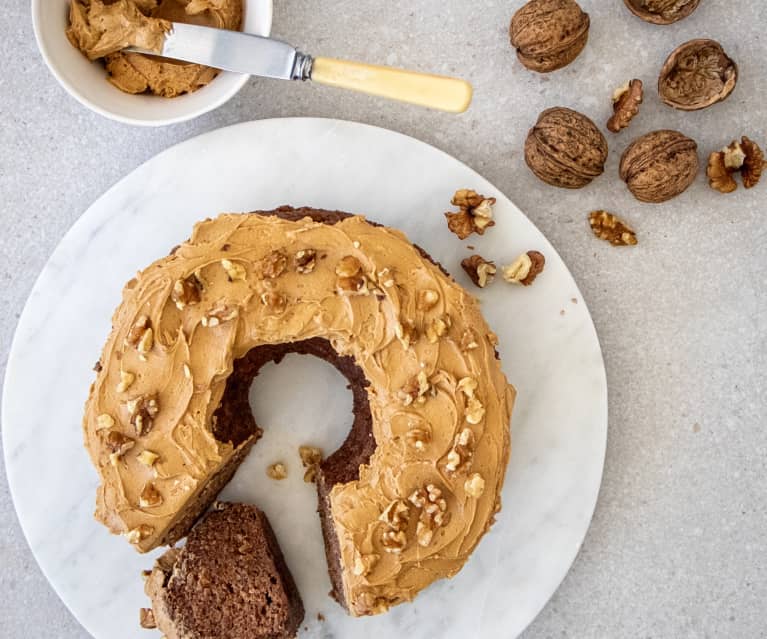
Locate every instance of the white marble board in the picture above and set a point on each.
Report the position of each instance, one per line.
(548, 345)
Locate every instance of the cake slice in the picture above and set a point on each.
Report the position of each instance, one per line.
(229, 581)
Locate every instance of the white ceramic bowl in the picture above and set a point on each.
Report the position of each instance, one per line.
(87, 81)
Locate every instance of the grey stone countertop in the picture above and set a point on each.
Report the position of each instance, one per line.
(678, 545)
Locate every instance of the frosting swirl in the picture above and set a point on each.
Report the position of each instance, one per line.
(440, 403)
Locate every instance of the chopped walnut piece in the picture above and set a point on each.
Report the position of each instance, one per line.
(351, 279)
(525, 268)
(474, 485)
(273, 265)
(744, 156)
(480, 271)
(438, 328)
(469, 341)
(277, 471)
(150, 497)
(418, 438)
(147, 458)
(348, 266)
(142, 412)
(186, 292)
(475, 215)
(311, 456)
(460, 455)
(467, 385)
(146, 342)
(427, 299)
(126, 381)
(405, 333)
(305, 261)
(626, 101)
(720, 177)
(433, 515)
(274, 301)
(137, 331)
(363, 565)
(395, 517)
(135, 535)
(234, 270)
(475, 412)
(117, 444)
(609, 227)
(415, 390)
(753, 163)
(104, 421)
(146, 619)
(219, 314)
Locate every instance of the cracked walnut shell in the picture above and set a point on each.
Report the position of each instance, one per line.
(609, 227)
(626, 101)
(662, 11)
(549, 34)
(696, 75)
(565, 149)
(659, 166)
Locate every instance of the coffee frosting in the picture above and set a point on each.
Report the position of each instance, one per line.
(440, 403)
(101, 30)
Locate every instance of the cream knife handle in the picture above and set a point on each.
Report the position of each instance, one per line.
(433, 91)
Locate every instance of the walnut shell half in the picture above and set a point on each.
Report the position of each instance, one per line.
(565, 149)
(549, 34)
(660, 165)
(696, 75)
(662, 11)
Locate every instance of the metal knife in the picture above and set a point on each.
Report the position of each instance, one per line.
(266, 57)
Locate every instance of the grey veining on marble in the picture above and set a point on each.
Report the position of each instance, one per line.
(677, 547)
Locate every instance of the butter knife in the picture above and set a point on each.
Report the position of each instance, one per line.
(270, 58)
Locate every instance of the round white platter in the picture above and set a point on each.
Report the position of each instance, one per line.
(548, 347)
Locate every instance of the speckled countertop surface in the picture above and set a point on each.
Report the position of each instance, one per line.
(678, 546)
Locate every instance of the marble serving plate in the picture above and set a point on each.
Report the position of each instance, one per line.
(548, 346)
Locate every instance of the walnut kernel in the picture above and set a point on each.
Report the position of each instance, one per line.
(438, 328)
(415, 390)
(475, 214)
(117, 444)
(277, 471)
(460, 455)
(274, 301)
(273, 265)
(311, 456)
(305, 261)
(142, 411)
(234, 270)
(626, 101)
(474, 485)
(137, 331)
(609, 227)
(104, 421)
(146, 619)
(186, 292)
(126, 381)
(433, 512)
(141, 532)
(753, 164)
(480, 271)
(525, 268)
(150, 497)
(147, 458)
(219, 314)
(427, 299)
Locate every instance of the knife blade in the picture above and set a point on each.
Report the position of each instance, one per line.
(266, 57)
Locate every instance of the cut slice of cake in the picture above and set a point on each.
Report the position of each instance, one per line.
(229, 581)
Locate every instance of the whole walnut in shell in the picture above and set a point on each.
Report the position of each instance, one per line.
(696, 75)
(660, 165)
(565, 148)
(662, 11)
(549, 34)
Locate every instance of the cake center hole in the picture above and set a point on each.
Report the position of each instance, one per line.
(301, 400)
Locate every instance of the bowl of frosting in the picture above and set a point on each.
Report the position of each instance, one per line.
(83, 42)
